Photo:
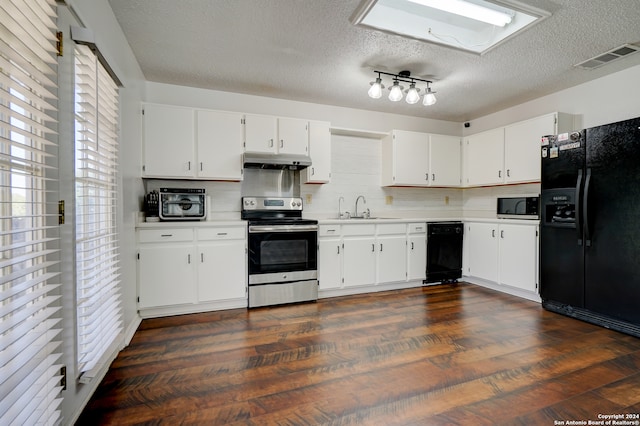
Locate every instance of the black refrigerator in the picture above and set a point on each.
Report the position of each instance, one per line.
(590, 225)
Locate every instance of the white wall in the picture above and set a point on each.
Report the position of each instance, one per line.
(97, 16)
(608, 99)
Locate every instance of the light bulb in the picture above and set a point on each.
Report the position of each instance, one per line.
(396, 92)
(429, 98)
(412, 94)
(376, 89)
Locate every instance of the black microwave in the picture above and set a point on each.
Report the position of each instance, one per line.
(518, 208)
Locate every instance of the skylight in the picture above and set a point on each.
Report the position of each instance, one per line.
(471, 25)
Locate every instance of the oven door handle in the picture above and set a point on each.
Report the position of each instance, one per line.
(256, 229)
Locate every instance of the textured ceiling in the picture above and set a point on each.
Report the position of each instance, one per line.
(307, 50)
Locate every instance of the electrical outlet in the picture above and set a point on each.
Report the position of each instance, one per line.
(309, 198)
(388, 199)
(446, 200)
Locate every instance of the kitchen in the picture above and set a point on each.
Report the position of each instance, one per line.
(355, 159)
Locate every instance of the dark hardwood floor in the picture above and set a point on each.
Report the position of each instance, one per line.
(441, 355)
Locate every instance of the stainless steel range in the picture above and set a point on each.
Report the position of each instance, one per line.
(282, 254)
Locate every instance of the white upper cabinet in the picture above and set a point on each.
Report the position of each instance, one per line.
(405, 158)
(445, 160)
(485, 158)
(219, 138)
(420, 159)
(320, 152)
(511, 154)
(268, 134)
(293, 136)
(522, 145)
(261, 133)
(169, 144)
(195, 144)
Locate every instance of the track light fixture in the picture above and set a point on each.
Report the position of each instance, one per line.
(396, 90)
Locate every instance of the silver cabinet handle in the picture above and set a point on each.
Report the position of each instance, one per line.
(270, 143)
(508, 172)
(313, 171)
(373, 247)
(166, 235)
(411, 245)
(281, 143)
(433, 176)
(380, 246)
(201, 257)
(189, 259)
(499, 173)
(426, 176)
(493, 233)
(222, 233)
(501, 234)
(189, 165)
(201, 166)
(338, 249)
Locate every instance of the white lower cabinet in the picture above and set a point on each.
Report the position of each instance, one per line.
(187, 269)
(223, 263)
(505, 254)
(482, 248)
(391, 245)
(361, 256)
(518, 256)
(417, 251)
(330, 262)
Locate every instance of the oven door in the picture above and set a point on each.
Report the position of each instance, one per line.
(280, 253)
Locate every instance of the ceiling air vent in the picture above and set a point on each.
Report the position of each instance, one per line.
(610, 56)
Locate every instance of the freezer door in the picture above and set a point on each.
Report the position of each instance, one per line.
(612, 220)
(562, 157)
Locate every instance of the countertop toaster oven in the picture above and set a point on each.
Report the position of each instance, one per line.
(183, 204)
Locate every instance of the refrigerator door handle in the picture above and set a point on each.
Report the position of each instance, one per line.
(579, 207)
(585, 209)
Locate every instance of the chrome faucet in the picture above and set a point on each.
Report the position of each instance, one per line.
(364, 200)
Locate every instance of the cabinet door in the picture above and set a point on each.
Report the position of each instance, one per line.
(293, 136)
(261, 132)
(392, 258)
(222, 270)
(169, 144)
(482, 250)
(359, 261)
(417, 257)
(444, 160)
(320, 152)
(518, 256)
(329, 263)
(522, 148)
(411, 158)
(219, 137)
(485, 158)
(167, 275)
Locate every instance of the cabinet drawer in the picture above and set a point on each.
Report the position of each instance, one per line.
(165, 235)
(364, 229)
(417, 228)
(392, 228)
(233, 233)
(328, 230)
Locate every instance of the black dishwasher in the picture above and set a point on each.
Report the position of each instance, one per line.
(444, 251)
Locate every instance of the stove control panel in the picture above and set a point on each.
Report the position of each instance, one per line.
(272, 203)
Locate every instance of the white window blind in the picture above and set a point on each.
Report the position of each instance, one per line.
(97, 263)
(29, 308)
